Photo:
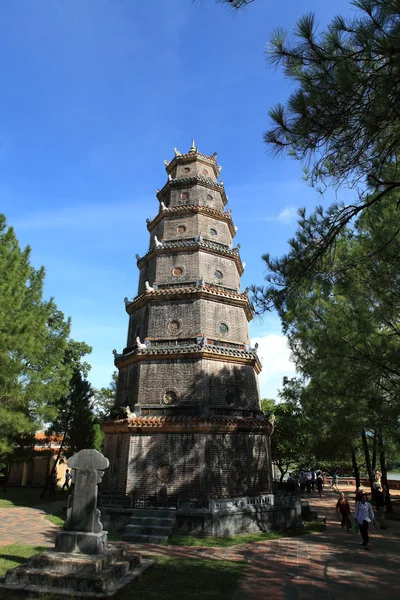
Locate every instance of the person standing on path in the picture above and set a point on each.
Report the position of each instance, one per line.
(343, 508)
(364, 515)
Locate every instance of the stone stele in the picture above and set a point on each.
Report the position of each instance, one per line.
(82, 564)
(83, 531)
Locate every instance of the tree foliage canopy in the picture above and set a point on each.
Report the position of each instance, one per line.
(343, 120)
(33, 343)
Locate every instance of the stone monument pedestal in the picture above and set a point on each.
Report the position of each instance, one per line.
(81, 541)
(82, 564)
(82, 575)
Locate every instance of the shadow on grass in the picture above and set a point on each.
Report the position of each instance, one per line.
(28, 497)
(171, 578)
(237, 540)
(15, 554)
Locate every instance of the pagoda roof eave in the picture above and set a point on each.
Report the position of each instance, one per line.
(201, 292)
(193, 208)
(192, 424)
(192, 246)
(194, 180)
(196, 351)
(189, 156)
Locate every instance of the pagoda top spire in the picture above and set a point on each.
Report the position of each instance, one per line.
(193, 149)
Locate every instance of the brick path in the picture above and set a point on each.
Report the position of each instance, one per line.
(330, 565)
(28, 525)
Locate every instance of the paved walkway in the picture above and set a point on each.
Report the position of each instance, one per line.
(28, 525)
(330, 565)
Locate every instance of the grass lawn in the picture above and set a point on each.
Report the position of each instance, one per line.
(26, 496)
(248, 538)
(171, 578)
(14, 554)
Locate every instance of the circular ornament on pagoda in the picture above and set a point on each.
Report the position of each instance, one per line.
(238, 472)
(165, 473)
(204, 172)
(187, 169)
(173, 326)
(178, 272)
(181, 229)
(223, 328)
(170, 397)
(219, 274)
(213, 231)
(185, 196)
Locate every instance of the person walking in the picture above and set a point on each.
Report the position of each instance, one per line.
(302, 481)
(380, 504)
(320, 483)
(343, 508)
(307, 476)
(364, 515)
(335, 481)
(67, 480)
(313, 479)
(359, 493)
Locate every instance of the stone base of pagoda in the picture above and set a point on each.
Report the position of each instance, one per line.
(214, 471)
(247, 514)
(233, 516)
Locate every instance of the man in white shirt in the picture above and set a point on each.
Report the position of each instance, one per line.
(363, 516)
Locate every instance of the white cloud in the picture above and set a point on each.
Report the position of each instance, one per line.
(286, 216)
(274, 353)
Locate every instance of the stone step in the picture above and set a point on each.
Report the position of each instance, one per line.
(146, 530)
(81, 592)
(65, 563)
(142, 538)
(98, 582)
(152, 522)
(154, 512)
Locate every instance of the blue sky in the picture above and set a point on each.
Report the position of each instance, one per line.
(95, 95)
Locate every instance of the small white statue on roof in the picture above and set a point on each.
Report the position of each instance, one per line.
(148, 287)
(139, 344)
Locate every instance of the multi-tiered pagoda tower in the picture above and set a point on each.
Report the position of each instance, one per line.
(190, 432)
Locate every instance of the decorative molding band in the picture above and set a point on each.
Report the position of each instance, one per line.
(204, 292)
(192, 424)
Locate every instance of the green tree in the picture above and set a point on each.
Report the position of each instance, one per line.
(342, 121)
(33, 341)
(291, 443)
(76, 421)
(105, 397)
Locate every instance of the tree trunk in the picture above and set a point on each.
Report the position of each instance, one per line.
(373, 466)
(6, 477)
(367, 458)
(355, 466)
(382, 457)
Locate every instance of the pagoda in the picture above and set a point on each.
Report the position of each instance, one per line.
(189, 432)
